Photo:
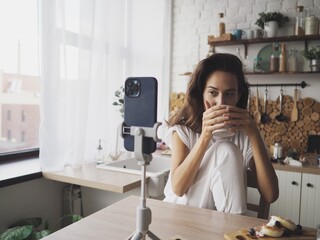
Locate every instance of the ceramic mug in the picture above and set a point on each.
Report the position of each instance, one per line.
(258, 33)
(248, 34)
(237, 33)
(222, 133)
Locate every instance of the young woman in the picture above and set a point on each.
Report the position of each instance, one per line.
(210, 172)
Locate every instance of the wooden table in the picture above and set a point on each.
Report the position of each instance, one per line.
(169, 220)
(90, 176)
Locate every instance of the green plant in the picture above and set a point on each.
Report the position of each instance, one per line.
(313, 53)
(119, 102)
(271, 16)
(29, 228)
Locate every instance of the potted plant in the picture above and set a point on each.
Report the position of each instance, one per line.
(30, 228)
(271, 22)
(313, 55)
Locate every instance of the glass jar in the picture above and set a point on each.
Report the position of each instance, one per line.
(299, 29)
(312, 25)
(292, 61)
(275, 58)
(221, 25)
(277, 151)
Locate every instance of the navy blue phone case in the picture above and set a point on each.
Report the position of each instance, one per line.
(140, 109)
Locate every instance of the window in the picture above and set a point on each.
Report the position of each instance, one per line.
(19, 78)
(23, 116)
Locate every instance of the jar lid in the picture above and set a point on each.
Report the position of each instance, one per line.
(300, 8)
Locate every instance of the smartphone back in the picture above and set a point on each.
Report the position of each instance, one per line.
(140, 109)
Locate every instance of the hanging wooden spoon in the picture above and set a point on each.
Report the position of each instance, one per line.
(265, 117)
(257, 114)
(294, 113)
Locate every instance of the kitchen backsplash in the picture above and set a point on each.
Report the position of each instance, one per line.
(292, 135)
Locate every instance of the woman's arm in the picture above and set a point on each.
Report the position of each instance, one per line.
(185, 164)
(266, 176)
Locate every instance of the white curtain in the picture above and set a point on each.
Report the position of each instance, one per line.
(88, 48)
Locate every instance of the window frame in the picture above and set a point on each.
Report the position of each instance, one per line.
(20, 155)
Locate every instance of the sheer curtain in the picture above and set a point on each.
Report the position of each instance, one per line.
(88, 48)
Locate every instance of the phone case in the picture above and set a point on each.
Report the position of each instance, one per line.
(140, 109)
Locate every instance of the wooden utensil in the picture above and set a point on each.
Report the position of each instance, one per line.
(294, 113)
(257, 114)
(265, 117)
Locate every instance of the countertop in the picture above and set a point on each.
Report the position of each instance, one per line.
(304, 169)
(90, 176)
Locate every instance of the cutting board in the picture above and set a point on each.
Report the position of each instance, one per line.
(307, 234)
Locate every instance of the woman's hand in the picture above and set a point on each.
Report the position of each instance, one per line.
(240, 119)
(213, 118)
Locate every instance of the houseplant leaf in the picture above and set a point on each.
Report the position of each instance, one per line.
(42, 234)
(17, 233)
(35, 222)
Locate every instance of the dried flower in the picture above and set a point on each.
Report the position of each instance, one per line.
(119, 102)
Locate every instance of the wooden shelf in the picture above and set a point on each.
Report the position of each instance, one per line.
(279, 73)
(247, 42)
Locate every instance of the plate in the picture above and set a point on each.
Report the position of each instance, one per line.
(265, 54)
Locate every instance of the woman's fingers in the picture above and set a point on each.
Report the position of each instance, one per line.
(206, 105)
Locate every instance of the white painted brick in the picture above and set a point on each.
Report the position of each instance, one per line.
(203, 29)
(258, 8)
(306, 3)
(194, 20)
(274, 6)
(232, 11)
(244, 25)
(288, 5)
(245, 9)
(184, 24)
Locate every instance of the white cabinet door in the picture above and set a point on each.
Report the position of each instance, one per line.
(310, 200)
(288, 203)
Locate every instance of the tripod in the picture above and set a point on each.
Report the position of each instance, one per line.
(143, 217)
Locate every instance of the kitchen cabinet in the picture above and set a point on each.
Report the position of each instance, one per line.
(310, 200)
(299, 198)
(288, 203)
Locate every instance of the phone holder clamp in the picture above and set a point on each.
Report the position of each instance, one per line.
(143, 217)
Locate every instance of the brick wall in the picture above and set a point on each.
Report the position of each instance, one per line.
(194, 20)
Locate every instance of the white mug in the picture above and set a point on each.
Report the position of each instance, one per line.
(222, 133)
(249, 34)
(258, 33)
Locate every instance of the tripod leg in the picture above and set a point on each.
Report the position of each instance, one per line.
(152, 236)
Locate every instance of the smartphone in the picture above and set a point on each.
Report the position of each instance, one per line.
(140, 109)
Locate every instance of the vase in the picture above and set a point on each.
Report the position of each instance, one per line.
(271, 29)
(315, 65)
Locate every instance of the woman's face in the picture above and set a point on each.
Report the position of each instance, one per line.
(221, 89)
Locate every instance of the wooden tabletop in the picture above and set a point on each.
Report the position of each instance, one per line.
(169, 220)
(90, 176)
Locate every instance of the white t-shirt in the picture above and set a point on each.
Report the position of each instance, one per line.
(189, 138)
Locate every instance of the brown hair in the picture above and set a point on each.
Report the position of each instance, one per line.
(190, 114)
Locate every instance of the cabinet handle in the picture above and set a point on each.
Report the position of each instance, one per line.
(309, 185)
(294, 183)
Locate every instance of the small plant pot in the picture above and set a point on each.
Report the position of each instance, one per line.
(315, 65)
(271, 29)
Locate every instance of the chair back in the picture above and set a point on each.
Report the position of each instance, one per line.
(263, 208)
